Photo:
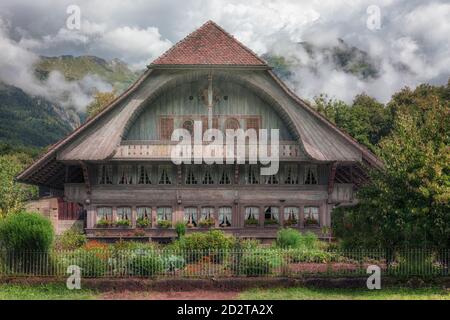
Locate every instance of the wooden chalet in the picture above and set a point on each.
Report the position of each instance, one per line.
(117, 165)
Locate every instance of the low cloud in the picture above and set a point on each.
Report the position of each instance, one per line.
(17, 66)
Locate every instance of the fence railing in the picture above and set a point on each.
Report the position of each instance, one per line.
(224, 263)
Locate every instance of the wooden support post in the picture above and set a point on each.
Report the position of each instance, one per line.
(331, 177)
(86, 177)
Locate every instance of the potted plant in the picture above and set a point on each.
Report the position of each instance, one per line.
(142, 222)
(207, 223)
(290, 222)
(270, 222)
(251, 222)
(164, 224)
(311, 222)
(123, 223)
(103, 223)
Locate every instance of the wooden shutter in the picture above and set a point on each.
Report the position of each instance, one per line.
(253, 123)
(166, 128)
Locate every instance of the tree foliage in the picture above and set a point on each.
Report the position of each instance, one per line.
(407, 203)
(101, 100)
(12, 193)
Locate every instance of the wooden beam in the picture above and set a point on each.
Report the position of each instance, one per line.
(331, 177)
(86, 177)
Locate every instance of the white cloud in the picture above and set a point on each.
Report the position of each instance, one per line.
(17, 69)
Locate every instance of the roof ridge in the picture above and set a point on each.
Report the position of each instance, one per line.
(178, 46)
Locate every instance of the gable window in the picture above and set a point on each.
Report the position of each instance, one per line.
(232, 123)
(271, 215)
(291, 174)
(251, 216)
(105, 174)
(252, 175)
(207, 177)
(224, 176)
(144, 174)
(125, 174)
(291, 216)
(225, 217)
(190, 216)
(190, 176)
(311, 216)
(164, 175)
(104, 215)
(311, 175)
(166, 128)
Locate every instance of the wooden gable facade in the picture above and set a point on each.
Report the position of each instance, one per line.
(117, 165)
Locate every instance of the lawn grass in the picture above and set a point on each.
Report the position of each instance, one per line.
(345, 294)
(43, 292)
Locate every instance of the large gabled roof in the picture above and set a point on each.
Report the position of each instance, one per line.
(224, 51)
(209, 45)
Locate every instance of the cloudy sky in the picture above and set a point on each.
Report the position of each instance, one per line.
(409, 33)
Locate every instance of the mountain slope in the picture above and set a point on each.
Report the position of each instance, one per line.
(32, 121)
(114, 72)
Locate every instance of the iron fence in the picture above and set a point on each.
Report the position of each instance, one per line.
(268, 262)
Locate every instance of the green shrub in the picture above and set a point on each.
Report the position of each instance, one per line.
(146, 264)
(180, 228)
(200, 244)
(254, 264)
(70, 240)
(93, 263)
(310, 256)
(174, 262)
(26, 232)
(288, 238)
(291, 238)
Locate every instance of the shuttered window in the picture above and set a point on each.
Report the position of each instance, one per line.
(166, 128)
(253, 123)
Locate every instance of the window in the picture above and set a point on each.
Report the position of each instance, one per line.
(144, 213)
(232, 123)
(144, 175)
(125, 174)
(253, 123)
(251, 215)
(225, 217)
(164, 175)
(166, 128)
(164, 213)
(311, 216)
(252, 175)
(290, 216)
(105, 174)
(207, 177)
(272, 179)
(190, 176)
(311, 175)
(271, 215)
(104, 214)
(291, 174)
(189, 126)
(190, 217)
(207, 213)
(225, 176)
(123, 214)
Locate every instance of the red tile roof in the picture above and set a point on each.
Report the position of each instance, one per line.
(209, 45)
